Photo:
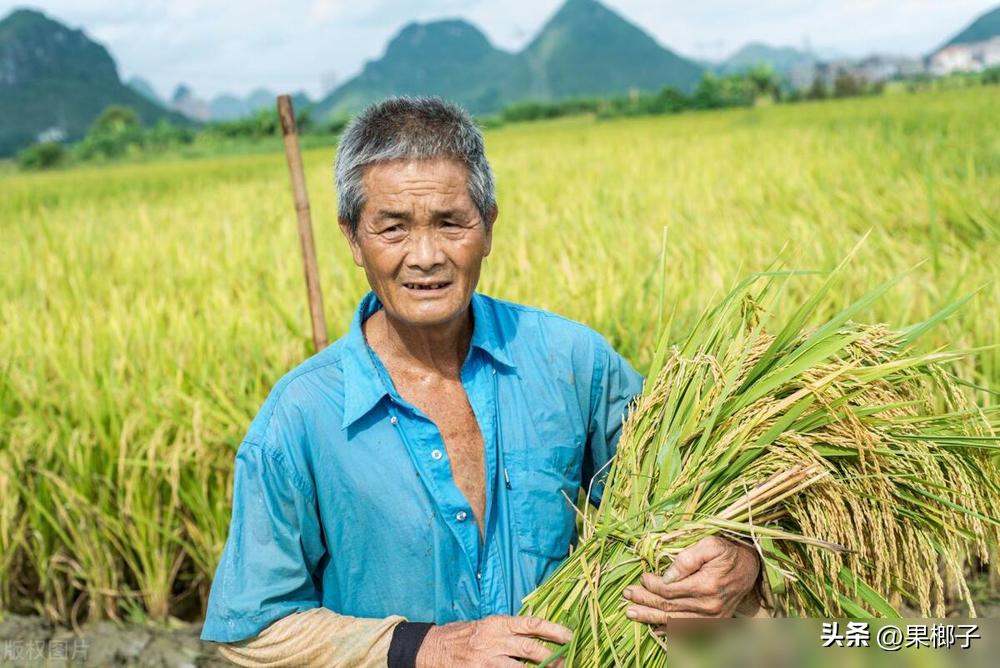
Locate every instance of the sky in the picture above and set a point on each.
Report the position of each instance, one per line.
(221, 46)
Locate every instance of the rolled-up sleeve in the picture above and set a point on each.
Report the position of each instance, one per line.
(270, 559)
(614, 384)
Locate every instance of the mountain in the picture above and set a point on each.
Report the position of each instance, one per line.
(227, 107)
(260, 98)
(584, 49)
(184, 101)
(782, 59)
(828, 54)
(55, 80)
(144, 88)
(449, 58)
(982, 29)
(587, 49)
(301, 100)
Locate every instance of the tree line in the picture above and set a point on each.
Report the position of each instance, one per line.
(117, 133)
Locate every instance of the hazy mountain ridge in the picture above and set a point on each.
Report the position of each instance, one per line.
(783, 59)
(451, 58)
(144, 88)
(222, 107)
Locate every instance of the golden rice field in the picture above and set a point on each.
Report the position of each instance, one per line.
(145, 310)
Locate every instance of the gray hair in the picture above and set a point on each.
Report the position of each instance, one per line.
(410, 128)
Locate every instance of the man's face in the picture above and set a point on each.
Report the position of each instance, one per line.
(420, 239)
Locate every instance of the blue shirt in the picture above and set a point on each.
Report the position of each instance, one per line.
(343, 495)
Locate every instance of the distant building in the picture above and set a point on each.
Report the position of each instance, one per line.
(877, 69)
(827, 73)
(52, 134)
(973, 57)
(873, 69)
(950, 59)
(185, 102)
(802, 75)
(193, 107)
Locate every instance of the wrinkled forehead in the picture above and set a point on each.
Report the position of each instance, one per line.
(424, 182)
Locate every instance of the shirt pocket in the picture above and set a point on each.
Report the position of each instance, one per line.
(544, 483)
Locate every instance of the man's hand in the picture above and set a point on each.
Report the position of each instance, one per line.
(494, 642)
(709, 579)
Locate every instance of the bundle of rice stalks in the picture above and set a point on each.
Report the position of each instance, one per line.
(850, 461)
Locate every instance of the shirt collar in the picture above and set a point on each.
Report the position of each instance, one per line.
(363, 385)
(487, 330)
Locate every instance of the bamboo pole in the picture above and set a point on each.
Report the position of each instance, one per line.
(315, 293)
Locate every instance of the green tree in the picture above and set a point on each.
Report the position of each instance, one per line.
(115, 132)
(115, 120)
(763, 80)
(818, 90)
(847, 85)
(709, 93)
(45, 155)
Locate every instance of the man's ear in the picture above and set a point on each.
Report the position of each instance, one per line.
(345, 229)
(491, 218)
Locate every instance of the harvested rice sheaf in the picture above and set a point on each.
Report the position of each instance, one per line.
(853, 463)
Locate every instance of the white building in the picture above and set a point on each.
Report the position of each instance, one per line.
(52, 134)
(973, 57)
(879, 68)
(989, 52)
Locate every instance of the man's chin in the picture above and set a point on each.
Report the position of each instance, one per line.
(428, 315)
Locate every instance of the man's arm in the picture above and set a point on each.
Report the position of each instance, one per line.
(317, 637)
(264, 603)
(614, 384)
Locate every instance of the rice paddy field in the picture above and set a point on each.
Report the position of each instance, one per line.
(146, 310)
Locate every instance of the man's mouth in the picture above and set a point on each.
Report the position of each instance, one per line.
(427, 286)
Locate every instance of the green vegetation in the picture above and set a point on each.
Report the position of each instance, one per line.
(118, 135)
(852, 463)
(128, 139)
(44, 155)
(148, 308)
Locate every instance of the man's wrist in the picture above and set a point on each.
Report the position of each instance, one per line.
(407, 638)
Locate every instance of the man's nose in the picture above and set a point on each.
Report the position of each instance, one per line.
(425, 251)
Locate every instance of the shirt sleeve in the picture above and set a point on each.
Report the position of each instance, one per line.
(614, 385)
(270, 559)
(318, 637)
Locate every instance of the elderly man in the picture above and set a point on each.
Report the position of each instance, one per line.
(401, 491)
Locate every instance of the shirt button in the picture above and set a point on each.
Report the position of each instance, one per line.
(479, 575)
(461, 515)
(435, 454)
(393, 420)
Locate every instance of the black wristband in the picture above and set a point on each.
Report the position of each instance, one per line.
(406, 640)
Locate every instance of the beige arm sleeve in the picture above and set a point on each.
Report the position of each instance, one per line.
(318, 637)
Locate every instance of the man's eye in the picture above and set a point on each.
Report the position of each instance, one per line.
(393, 230)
